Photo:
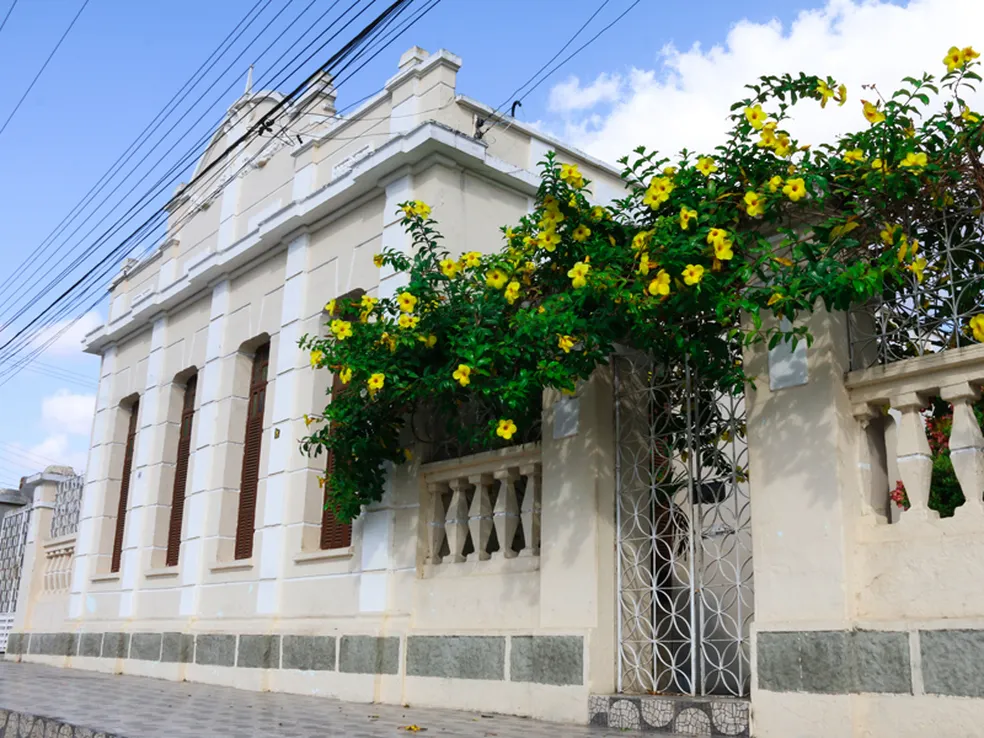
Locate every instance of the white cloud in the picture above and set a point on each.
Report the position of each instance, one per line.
(70, 341)
(66, 412)
(61, 451)
(570, 95)
(684, 102)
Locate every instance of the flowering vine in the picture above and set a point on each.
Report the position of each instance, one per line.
(685, 266)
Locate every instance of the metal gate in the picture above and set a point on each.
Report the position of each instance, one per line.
(13, 538)
(684, 533)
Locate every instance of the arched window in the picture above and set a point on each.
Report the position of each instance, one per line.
(131, 437)
(246, 522)
(181, 472)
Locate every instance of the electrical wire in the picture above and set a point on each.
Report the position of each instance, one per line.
(43, 67)
(346, 50)
(9, 11)
(492, 121)
(382, 43)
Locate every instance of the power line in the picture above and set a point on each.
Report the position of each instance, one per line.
(255, 130)
(381, 43)
(162, 115)
(9, 11)
(31, 456)
(43, 67)
(493, 121)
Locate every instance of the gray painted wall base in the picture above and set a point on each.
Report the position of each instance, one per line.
(696, 716)
(18, 724)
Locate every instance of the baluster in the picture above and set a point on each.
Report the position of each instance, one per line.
(530, 512)
(480, 517)
(966, 447)
(914, 459)
(457, 519)
(872, 462)
(506, 511)
(435, 521)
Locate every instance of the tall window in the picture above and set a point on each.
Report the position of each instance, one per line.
(131, 436)
(181, 472)
(334, 533)
(251, 453)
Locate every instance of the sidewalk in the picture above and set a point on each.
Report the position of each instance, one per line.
(137, 707)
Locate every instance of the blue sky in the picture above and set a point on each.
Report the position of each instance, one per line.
(124, 60)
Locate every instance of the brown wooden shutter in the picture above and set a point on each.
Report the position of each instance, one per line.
(131, 436)
(334, 533)
(181, 473)
(251, 453)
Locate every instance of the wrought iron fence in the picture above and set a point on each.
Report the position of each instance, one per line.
(68, 505)
(13, 538)
(685, 592)
(928, 316)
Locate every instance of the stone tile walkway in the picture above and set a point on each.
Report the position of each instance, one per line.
(137, 707)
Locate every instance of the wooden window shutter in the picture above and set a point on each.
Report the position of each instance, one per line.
(181, 473)
(334, 533)
(251, 453)
(131, 436)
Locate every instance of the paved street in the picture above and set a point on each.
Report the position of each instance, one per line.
(136, 707)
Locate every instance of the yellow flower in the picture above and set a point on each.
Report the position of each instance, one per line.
(643, 264)
(368, 303)
(598, 213)
(783, 146)
(754, 204)
(572, 201)
(330, 307)
(506, 429)
(917, 267)
(512, 292)
(421, 209)
(658, 192)
(687, 215)
(496, 279)
(660, 286)
(904, 248)
(449, 268)
(888, 234)
(551, 217)
(408, 321)
(548, 240)
(570, 174)
(581, 233)
(715, 235)
(316, 357)
(775, 184)
(669, 171)
(693, 274)
(723, 251)
(825, 93)
(640, 241)
(378, 260)
(345, 375)
(706, 165)
(768, 135)
(510, 234)
(968, 54)
(389, 340)
(776, 297)
(968, 116)
(341, 328)
(429, 341)
(579, 273)
(406, 301)
(472, 259)
(977, 326)
(954, 59)
(878, 165)
(550, 202)
(914, 160)
(376, 382)
(871, 112)
(795, 189)
(566, 343)
(308, 420)
(842, 94)
(463, 374)
(755, 116)
(854, 156)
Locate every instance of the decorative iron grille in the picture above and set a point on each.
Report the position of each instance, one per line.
(68, 505)
(933, 315)
(685, 594)
(13, 537)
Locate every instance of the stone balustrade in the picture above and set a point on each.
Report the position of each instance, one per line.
(58, 556)
(482, 507)
(898, 394)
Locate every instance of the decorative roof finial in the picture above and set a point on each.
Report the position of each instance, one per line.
(249, 80)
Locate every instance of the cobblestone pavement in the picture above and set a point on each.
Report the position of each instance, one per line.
(138, 707)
